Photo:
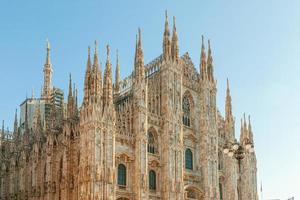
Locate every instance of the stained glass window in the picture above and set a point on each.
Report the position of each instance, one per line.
(121, 175)
(188, 159)
(152, 180)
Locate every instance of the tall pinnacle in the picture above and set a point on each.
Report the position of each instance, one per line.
(16, 122)
(210, 68)
(96, 61)
(166, 40)
(87, 77)
(26, 131)
(139, 60)
(175, 46)
(228, 109)
(117, 75)
(107, 87)
(97, 75)
(245, 123)
(203, 69)
(2, 131)
(48, 59)
(47, 89)
(70, 105)
(70, 87)
(250, 130)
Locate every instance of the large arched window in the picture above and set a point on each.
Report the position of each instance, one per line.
(152, 180)
(186, 111)
(121, 175)
(188, 159)
(151, 143)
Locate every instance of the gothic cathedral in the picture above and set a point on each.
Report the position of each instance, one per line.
(156, 134)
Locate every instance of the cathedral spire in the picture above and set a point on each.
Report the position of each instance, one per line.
(70, 105)
(96, 61)
(245, 122)
(99, 72)
(139, 60)
(203, 69)
(76, 103)
(87, 77)
(166, 40)
(242, 131)
(70, 87)
(26, 131)
(228, 109)
(2, 131)
(250, 130)
(107, 87)
(48, 59)
(16, 122)
(47, 89)
(175, 46)
(117, 78)
(96, 79)
(210, 67)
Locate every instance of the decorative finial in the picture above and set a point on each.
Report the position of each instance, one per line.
(117, 53)
(48, 44)
(48, 61)
(96, 46)
(166, 14)
(107, 51)
(227, 84)
(139, 38)
(89, 50)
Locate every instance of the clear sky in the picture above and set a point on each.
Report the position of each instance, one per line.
(256, 44)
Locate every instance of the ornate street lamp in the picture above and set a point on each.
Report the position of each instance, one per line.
(238, 151)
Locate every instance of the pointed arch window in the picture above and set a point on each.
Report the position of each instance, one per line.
(151, 143)
(186, 107)
(188, 159)
(121, 175)
(152, 180)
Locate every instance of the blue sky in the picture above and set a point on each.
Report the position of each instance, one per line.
(256, 44)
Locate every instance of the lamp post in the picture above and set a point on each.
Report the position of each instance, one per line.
(238, 151)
